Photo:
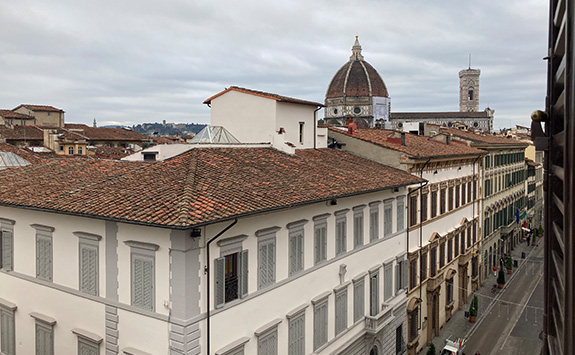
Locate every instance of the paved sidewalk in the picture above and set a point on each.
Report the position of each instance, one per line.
(459, 326)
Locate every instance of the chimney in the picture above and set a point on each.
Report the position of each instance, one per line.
(351, 128)
(403, 138)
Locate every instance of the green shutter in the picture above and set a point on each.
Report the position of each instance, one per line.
(219, 282)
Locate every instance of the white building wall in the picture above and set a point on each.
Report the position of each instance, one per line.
(249, 118)
(289, 116)
(288, 293)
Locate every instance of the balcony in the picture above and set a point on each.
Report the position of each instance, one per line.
(378, 322)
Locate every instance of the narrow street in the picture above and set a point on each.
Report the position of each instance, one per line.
(514, 318)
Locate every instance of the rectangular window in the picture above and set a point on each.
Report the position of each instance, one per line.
(433, 262)
(442, 201)
(297, 335)
(474, 267)
(70, 150)
(413, 323)
(266, 262)
(387, 219)
(433, 204)
(462, 244)
(387, 281)
(6, 245)
(301, 125)
(340, 233)
(450, 250)
(412, 210)
(441, 255)
(320, 324)
(44, 338)
(456, 249)
(7, 333)
(44, 252)
(143, 281)
(374, 294)
(457, 195)
(230, 272)
(400, 213)
(474, 233)
(88, 257)
(423, 266)
(296, 248)
(268, 342)
(450, 198)
(399, 341)
(320, 240)
(358, 299)
(469, 191)
(373, 223)
(424, 207)
(357, 228)
(400, 275)
(412, 273)
(449, 283)
(80, 150)
(469, 237)
(340, 311)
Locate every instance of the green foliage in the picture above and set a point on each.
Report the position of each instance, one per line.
(473, 307)
(509, 263)
(431, 350)
(501, 277)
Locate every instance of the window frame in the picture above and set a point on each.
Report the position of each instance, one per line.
(44, 234)
(6, 244)
(267, 268)
(320, 238)
(88, 242)
(296, 246)
(341, 232)
(145, 253)
(387, 218)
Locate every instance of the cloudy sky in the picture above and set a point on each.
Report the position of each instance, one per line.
(136, 61)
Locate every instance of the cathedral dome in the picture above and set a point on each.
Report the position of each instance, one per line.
(356, 78)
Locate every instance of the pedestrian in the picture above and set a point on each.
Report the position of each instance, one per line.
(528, 240)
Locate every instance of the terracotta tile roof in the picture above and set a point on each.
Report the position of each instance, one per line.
(201, 186)
(12, 114)
(106, 134)
(112, 152)
(415, 146)
(452, 115)
(481, 138)
(264, 94)
(39, 108)
(22, 133)
(21, 152)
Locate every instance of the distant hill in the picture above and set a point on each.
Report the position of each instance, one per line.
(168, 129)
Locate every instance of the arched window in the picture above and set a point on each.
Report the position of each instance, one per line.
(373, 350)
(470, 94)
(70, 150)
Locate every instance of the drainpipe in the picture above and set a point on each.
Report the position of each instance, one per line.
(207, 271)
(315, 127)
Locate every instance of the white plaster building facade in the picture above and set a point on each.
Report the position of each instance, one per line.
(221, 250)
(443, 221)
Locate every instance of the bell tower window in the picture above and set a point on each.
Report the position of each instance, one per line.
(470, 94)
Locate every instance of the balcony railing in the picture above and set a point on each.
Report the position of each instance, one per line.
(378, 322)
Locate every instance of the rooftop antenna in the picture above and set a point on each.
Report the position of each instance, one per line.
(469, 61)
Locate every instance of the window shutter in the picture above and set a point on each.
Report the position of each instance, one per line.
(44, 257)
(7, 250)
(244, 273)
(219, 280)
(299, 261)
(397, 277)
(374, 293)
(89, 269)
(292, 254)
(263, 271)
(297, 336)
(148, 284)
(268, 344)
(7, 339)
(271, 262)
(137, 282)
(358, 300)
(404, 274)
(317, 241)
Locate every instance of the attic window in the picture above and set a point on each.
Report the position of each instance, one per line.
(149, 156)
(301, 132)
